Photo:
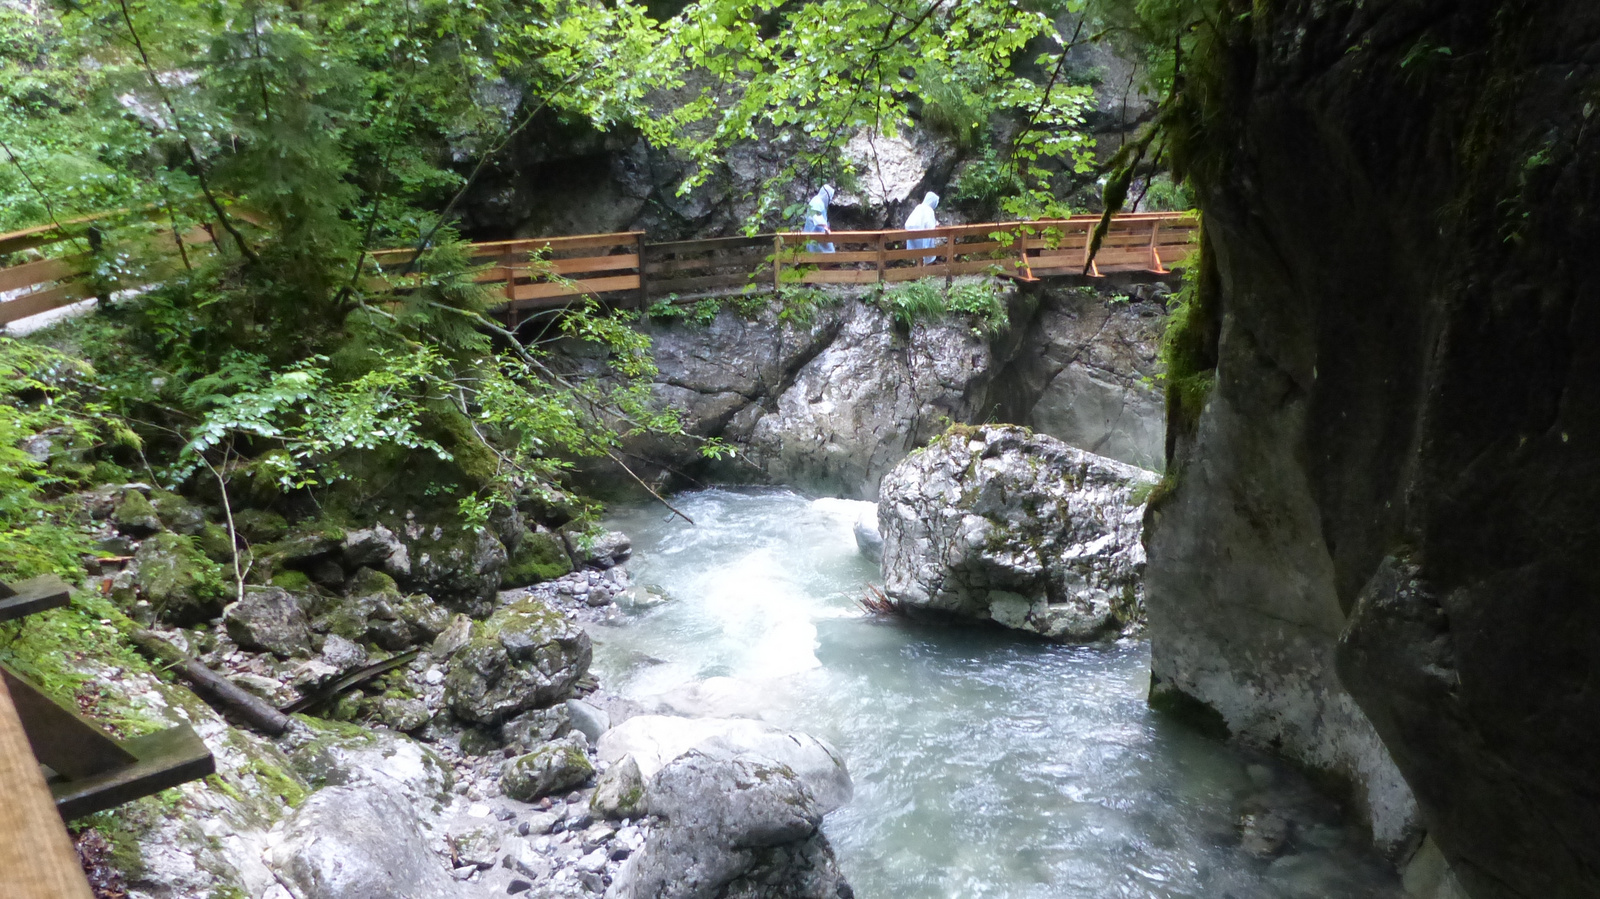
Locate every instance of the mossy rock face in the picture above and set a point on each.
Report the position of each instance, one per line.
(260, 526)
(541, 556)
(556, 766)
(135, 516)
(170, 572)
(176, 513)
(214, 541)
(525, 656)
(373, 610)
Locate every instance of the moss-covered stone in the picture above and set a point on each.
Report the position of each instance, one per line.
(182, 586)
(135, 516)
(176, 513)
(541, 556)
(526, 655)
(555, 766)
(259, 526)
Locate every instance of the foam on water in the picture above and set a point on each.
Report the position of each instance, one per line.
(986, 765)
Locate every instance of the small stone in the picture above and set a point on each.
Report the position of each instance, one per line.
(620, 792)
(588, 720)
(518, 885)
(434, 676)
(343, 655)
(592, 882)
(558, 765)
(593, 862)
(619, 853)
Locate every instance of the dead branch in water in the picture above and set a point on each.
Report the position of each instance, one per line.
(877, 604)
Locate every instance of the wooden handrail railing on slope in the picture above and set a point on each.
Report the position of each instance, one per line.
(546, 272)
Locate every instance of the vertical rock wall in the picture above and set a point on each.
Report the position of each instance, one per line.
(1377, 550)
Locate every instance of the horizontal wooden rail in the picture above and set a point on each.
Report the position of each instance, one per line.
(549, 272)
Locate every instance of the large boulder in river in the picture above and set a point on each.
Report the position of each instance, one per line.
(525, 656)
(654, 741)
(740, 825)
(1001, 523)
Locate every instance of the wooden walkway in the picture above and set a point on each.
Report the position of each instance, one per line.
(624, 270)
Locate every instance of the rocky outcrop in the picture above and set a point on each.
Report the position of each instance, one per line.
(998, 523)
(740, 803)
(359, 843)
(1379, 554)
(525, 656)
(831, 400)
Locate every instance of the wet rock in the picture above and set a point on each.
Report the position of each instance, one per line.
(588, 720)
(358, 842)
(620, 791)
(270, 619)
(176, 513)
(343, 656)
(721, 815)
(540, 556)
(653, 741)
(135, 516)
(182, 586)
(526, 655)
(1263, 834)
(559, 765)
(532, 728)
(398, 713)
(258, 526)
(333, 755)
(868, 540)
(1003, 524)
(602, 549)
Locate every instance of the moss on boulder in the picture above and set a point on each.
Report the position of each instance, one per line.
(182, 586)
(558, 765)
(541, 556)
(525, 656)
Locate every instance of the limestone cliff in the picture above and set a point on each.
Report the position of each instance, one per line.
(1377, 550)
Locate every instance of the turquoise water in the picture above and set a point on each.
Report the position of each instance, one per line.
(985, 765)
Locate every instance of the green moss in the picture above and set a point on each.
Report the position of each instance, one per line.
(55, 648)
(1187, 709)
(277, 781)
(181, 584)
(135, 515)
(1189, 346)
(541, 557)
(293, 581)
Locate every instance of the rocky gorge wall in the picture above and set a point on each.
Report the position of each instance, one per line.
(1376, 550)
(832, 400)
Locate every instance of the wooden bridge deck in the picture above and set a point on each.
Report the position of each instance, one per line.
(625, 270)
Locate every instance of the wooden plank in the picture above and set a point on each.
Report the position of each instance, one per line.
(575, 242)
(41, 272)
(679, 247)
(747, 261)
(32, 595)
(37, 860)
(43, 301)
(576, 288)
(595, 264)
(707, 282)
(162, 760)
(59, 736)
(845, 276)
(839, 258)
(940, 251)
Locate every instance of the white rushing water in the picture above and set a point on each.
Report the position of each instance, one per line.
(986, 764)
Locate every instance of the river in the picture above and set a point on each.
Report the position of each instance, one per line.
(985, 765)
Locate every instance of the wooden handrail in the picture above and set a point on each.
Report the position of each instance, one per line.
(37, 860)
(545, 272)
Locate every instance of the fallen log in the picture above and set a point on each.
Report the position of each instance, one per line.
(211, 686)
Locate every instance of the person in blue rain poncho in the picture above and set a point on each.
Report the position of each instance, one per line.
(923, 219)
(817, 219)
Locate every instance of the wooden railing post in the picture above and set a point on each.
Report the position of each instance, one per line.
(777, 262)
(1089, 266)
(644, 283)
(1155, 252)
(949, 258)
(37, 860)
(881, 263)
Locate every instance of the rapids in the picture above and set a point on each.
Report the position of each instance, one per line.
(985, 764)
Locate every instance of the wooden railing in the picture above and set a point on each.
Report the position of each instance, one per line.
(547, 272)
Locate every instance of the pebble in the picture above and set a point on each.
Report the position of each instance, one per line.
(518, 885)
(594, 862)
